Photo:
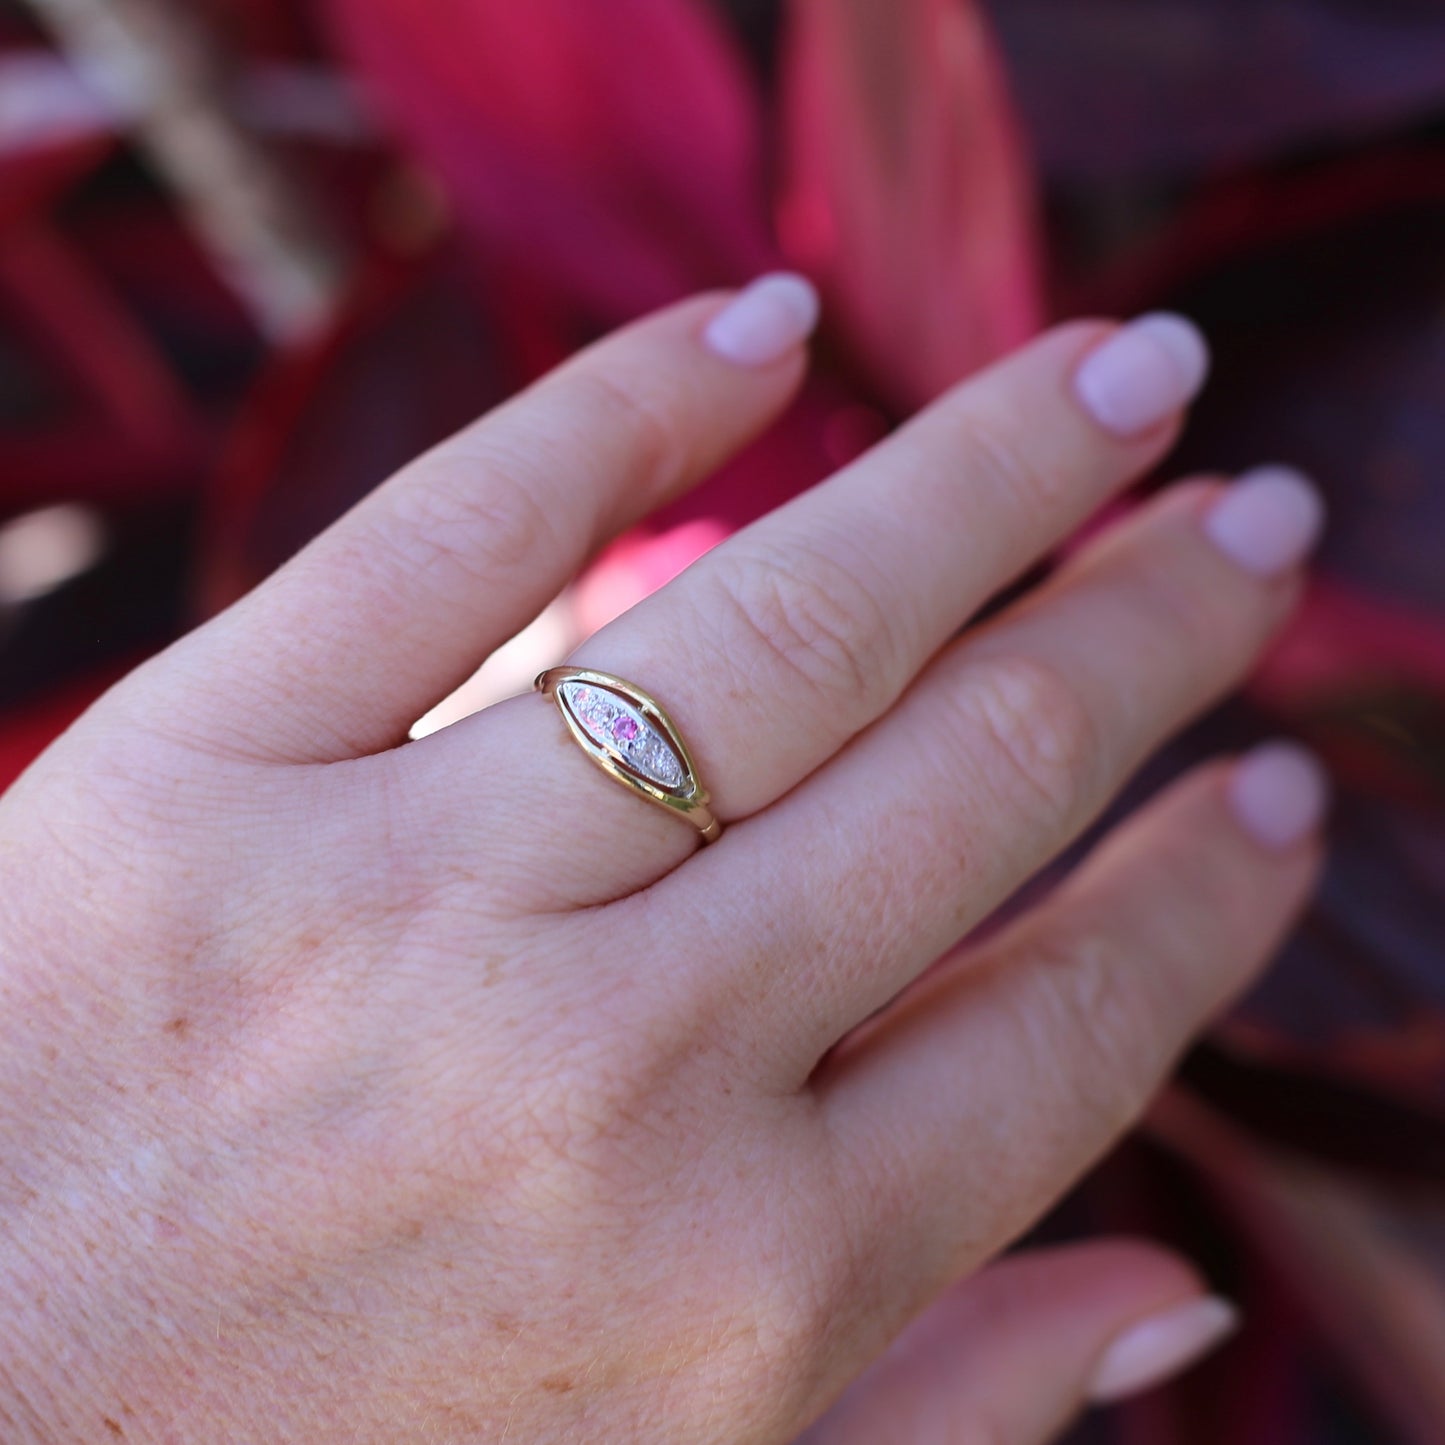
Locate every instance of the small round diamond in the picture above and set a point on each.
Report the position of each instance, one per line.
(658, 761)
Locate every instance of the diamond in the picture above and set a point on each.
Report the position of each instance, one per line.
(660, 763)
(591, 709)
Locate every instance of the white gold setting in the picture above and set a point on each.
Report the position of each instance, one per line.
(627, 734)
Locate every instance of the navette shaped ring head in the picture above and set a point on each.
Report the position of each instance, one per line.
(629, 735)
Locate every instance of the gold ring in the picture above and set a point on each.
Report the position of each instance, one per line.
(631, 738)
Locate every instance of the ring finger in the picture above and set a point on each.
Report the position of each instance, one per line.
(786, 641)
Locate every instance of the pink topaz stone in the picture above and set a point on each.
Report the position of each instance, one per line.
(619, 728)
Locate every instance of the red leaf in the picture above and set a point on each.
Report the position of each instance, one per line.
(612, 149)
(1344, 637)
(400, 366)
(129, 423)
(105, 350)
(908, 191)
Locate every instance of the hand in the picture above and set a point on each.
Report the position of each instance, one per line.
(364, 1092)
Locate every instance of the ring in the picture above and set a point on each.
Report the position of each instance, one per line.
(631, 738)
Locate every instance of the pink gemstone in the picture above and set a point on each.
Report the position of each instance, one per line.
(624, 729)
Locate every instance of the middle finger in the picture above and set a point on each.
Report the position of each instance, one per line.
(1004, 750)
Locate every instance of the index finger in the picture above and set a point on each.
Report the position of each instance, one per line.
(397, 603)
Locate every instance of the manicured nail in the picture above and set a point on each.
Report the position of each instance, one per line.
(1158, 1349)
(1144, 373)
(1269, 521)
(1280, 793)
(765, 321)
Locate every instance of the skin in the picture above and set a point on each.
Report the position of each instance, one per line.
(353, 1091)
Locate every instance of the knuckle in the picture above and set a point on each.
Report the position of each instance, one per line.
(998, 458)
(836, 1229)
(653, 453)
(1084, 1010)
(550, 1154)
(813, 619)
(477, 515)
(1190, 622)
(1037, 729)
(796, 1316)
(580, 1137)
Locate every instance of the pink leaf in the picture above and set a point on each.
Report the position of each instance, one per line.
(1346, 636)
(908, 193)
(612, 149)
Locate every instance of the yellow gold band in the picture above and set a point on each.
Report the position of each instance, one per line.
(630, 737)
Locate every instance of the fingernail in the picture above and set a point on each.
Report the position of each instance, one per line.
(1159, 1348)
(1280, 793)
(1268, 522)
(765, 321)
(1144, 373)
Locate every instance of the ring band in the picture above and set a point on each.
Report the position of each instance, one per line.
(631, 738)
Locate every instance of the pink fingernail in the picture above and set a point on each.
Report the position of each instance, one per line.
(1159, 1348)
(764, 322)
(1268, 522)
(1280, 793)
(1144, 373)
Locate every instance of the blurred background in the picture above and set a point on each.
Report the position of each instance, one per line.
(256, 253)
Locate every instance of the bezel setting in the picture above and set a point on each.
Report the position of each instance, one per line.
(629, 735)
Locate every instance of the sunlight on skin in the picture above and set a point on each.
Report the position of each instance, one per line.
(510, 669)
(631, 571)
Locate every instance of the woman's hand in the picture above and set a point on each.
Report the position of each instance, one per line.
(352, 1091)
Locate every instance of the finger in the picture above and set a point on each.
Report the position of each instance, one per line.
(779, 645)
(1015, 1353)
(1003, 1076)
(397, 603)
(1007, 747)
